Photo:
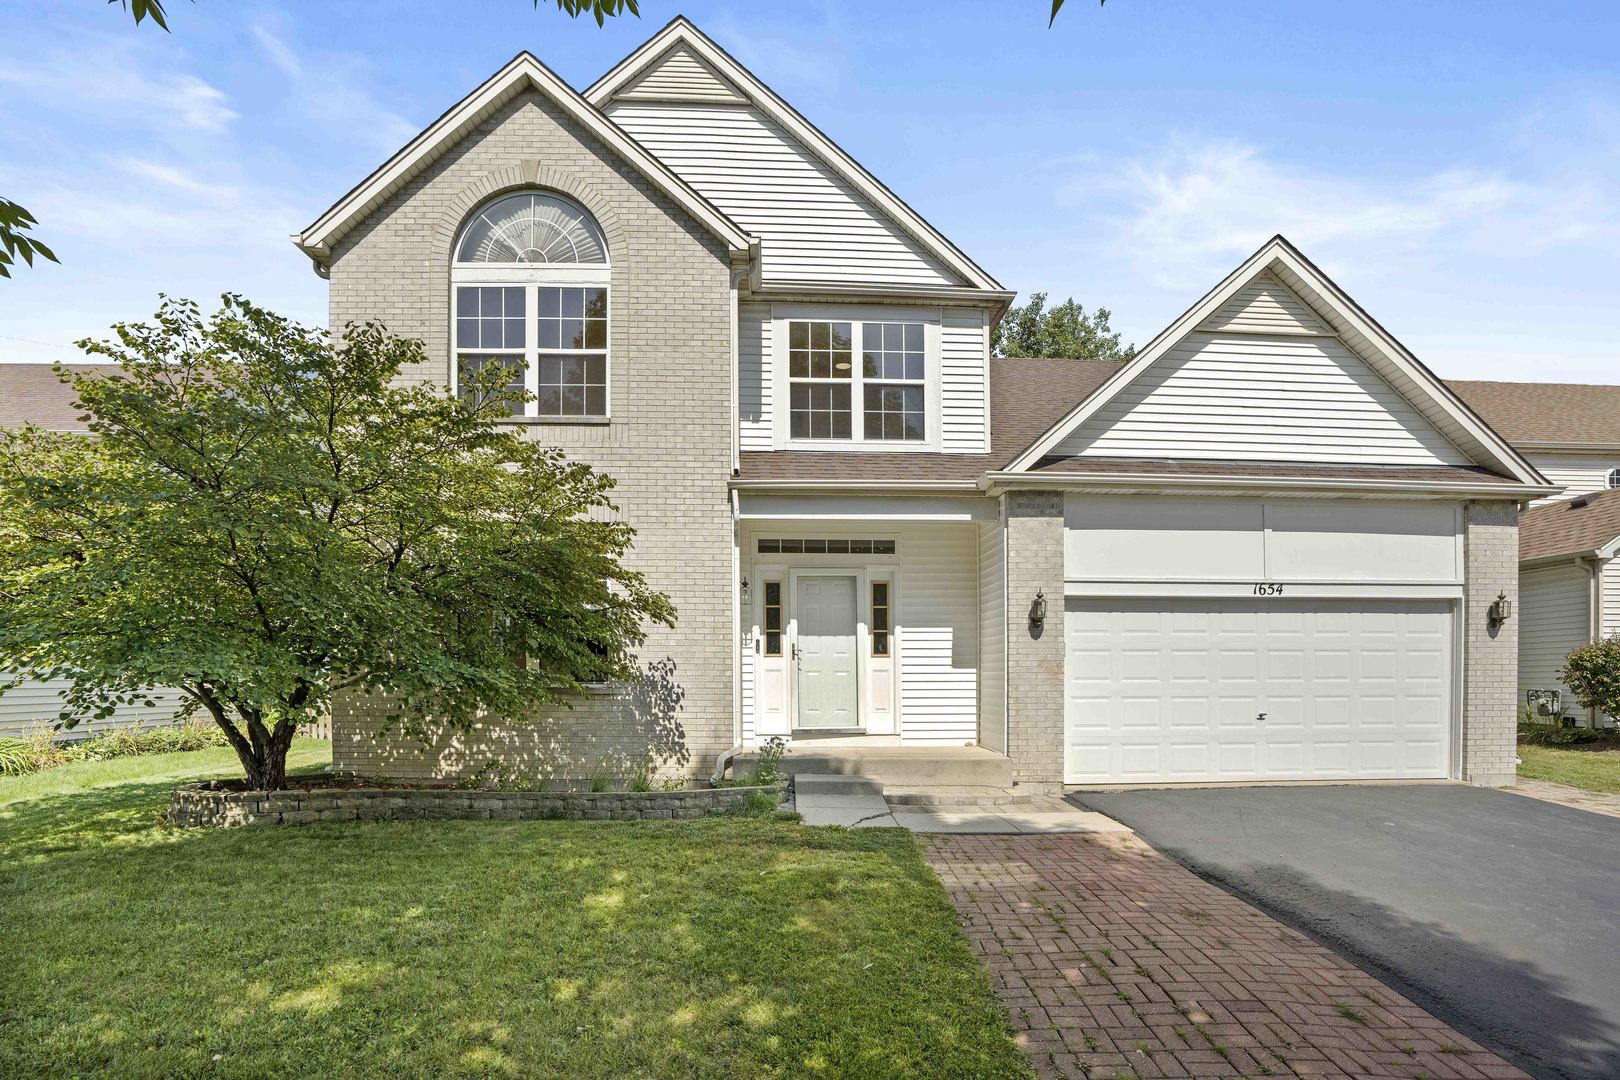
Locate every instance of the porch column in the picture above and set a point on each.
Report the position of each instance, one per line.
(1491, 653)
(1035, 655)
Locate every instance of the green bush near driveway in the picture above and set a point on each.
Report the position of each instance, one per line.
(713, 948)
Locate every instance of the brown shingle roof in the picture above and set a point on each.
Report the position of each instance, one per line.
(32, 392)
(1569, 526)
(1527, 412)
(1026, 398)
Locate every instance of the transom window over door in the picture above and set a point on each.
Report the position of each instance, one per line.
(530, 283)
(826, 384)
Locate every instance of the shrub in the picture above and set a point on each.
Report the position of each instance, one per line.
(16, 757)
(769, 769)
(41, 751)
(1534, 733)
(1592, 673)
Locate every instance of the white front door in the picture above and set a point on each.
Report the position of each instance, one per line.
(1240, 690)
(826, 656)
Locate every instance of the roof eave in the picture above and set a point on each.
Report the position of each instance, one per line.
(1002, 480)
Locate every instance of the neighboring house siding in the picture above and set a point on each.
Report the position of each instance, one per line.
(1610, 604)
(1554, 617)
(1262, 398)
(1580, 474)
(993, 636)
(755, 389)
(668, 443)
(33, 706)
(812, 224)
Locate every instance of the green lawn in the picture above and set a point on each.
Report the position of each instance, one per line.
(1594, 770)
(722, 948)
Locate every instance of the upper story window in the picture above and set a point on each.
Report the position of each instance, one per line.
(530, 280)
(881, 398)
(1614, 478)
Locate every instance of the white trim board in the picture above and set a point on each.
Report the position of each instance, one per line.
(1280, 259)
(681, 32)
(523, 71)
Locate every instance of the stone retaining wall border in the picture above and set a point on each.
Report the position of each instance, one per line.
(197, 806)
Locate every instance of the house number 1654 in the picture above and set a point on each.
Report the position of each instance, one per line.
(1267, 588)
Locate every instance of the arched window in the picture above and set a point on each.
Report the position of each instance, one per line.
(1614, 478)
(530, 277)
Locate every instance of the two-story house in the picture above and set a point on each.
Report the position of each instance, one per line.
(1272, 546)
(1569, 551)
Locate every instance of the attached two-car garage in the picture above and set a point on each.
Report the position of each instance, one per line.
(1213, 639)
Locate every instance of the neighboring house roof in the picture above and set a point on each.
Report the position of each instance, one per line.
(1588, 525)
(1547, 414)
(524, 71)
(32, 393)
(1280, 260)
(1026, 397)
(626, 79)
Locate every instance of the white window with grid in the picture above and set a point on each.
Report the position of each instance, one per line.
(530, 292)
(868, 381)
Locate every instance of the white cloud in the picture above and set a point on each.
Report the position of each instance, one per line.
(119, 87)
(335, 99)
(1186, 214)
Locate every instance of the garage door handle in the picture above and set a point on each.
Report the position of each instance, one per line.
(1260, 718)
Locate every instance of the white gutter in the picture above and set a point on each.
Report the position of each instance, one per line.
(888, 487)
(994, 483)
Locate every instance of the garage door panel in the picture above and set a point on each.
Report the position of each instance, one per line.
(1349, 689)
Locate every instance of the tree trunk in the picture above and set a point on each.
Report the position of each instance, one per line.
(262, 751)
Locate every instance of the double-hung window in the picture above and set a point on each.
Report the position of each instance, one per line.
(857, 381)
(530, 282)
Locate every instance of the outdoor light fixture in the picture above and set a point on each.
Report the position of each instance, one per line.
(1037, 609)
(1500, 611)
(745, 593)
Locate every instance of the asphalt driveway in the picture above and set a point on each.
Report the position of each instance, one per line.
(1497, 913)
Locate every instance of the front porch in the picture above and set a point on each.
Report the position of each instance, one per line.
(871, 636)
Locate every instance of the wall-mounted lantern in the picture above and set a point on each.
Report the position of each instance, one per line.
(1037, 610)
(745, 593)
(1500, 611)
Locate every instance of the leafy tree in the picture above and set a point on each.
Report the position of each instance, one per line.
(14, 239)
(1064, 331)
(265, 518)
(1592, 673)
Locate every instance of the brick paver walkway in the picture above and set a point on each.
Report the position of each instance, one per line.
(1115, 961)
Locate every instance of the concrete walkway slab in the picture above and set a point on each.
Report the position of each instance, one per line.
(850, 811)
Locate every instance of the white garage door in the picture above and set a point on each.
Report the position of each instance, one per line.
(1225, 690)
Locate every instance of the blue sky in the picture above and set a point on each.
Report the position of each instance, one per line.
(1453, 164)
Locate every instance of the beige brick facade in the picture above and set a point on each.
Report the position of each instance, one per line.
(668, 443)
(1491, 654)
(1035, 655)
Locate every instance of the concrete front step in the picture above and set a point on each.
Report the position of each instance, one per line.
(814, 784)
(956, 796)
(896, 767)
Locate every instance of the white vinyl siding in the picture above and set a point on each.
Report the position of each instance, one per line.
(754, 376)
(812, 224)
(1262, 398)
(1554, 617)
(993, 636)
(1265, 306)
(34, 705)
(1580, 474)
(1611, 598)
(935, 611)
(681, 75)
(963, 382)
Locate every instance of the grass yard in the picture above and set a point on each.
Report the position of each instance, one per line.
(720, 948)
(1594, 770)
